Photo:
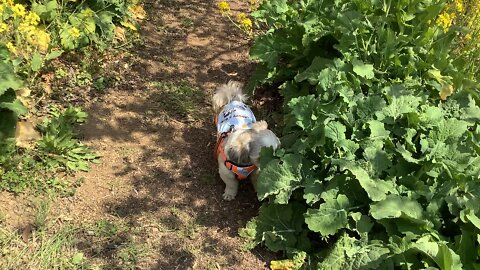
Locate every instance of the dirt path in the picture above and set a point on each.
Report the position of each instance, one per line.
(155, 135)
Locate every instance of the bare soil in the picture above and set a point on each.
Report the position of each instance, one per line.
(157, 173)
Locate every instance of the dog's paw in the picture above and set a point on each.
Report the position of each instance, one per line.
(228, 196)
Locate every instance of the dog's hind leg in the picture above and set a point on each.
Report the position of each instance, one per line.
(231, 184)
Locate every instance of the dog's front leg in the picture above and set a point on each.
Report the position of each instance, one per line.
(231, 184)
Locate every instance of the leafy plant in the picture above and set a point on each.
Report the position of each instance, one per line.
(380, 162)
(59, 143)
(58, 150)
(10, 106)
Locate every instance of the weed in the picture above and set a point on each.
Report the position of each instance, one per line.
(43, 208)
(58, 150)
(59, 140)
(44, 251)
(129, 254)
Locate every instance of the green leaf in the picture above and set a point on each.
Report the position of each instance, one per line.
(401, 105)
(77, 258)
(351, 254)
(15, 106)
(444, 257)
(377, 130)
(364, 223)
(303, 110)
(53, 54)
(313, 72)
(280, 227)
(473, 219)
(280, 178)
(377, 190)
(335, 131)
(395, 206)
(330, 217)
(313, 190)
(363, 70)
(36, 62)
(8, 78)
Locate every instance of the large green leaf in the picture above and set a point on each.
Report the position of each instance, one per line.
(376, 189)
(8, 78)
(395, 206)
(280, 227)
(351, 254)
(280, 178)
(330, 217)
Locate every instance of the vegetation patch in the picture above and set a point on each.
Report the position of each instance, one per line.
(379, 165)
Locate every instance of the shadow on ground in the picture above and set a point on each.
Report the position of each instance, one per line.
(157, 138)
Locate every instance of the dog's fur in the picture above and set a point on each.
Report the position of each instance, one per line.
(242, 146)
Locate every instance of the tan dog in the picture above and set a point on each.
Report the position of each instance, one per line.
(239, 138)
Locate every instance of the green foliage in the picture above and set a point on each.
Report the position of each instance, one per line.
(58, 150)
(380, 153)
(10, 106)
(59, 144)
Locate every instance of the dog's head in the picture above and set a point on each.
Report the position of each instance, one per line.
(243, 146)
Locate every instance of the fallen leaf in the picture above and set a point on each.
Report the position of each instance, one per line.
(447, 90)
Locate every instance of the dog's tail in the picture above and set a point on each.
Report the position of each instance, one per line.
(227, 93)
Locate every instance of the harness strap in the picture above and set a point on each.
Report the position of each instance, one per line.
(241, 172)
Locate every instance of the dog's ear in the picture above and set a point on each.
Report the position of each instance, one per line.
(259, 126)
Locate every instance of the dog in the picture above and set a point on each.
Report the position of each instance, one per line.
(239, 138)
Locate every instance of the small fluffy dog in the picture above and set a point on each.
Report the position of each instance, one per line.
(239, 138)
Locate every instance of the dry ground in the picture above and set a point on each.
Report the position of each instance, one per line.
(156, 192)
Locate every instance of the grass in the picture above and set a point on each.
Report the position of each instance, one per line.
(178, 100)
(49, 244)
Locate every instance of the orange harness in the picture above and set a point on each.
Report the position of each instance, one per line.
(241, 172)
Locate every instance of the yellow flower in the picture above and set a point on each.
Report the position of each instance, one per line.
(8, 2)
(11, 48)
(88, 12)
(74, 32)
(224, 7)
(468, 37)
(445, 20)
(18, 10)
(459, 6)
(25, 28)
(32, 18)
(241, 16)
(3, 27)
(245, 23)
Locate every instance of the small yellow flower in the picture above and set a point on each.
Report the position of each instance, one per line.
(11, 48)
(74, 32)
(241, 16)
(18, 10)
(245, 23)
(224, 7)
(459, 6)
(88, 12)
(32, 18)
(445, 20)
(8, 2)
(3, 27)
(468, 37)
(25, 28)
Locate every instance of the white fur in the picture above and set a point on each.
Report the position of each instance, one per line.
(239, 142)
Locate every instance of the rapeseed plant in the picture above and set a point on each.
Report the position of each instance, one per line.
(242, 21)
